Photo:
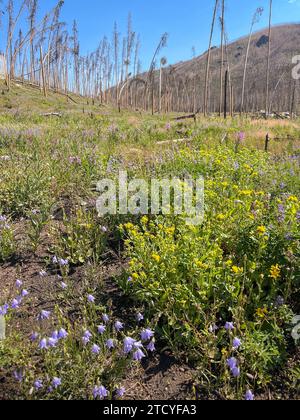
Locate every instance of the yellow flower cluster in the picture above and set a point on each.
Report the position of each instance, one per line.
(156, 258)
(275, 272)
(261, 312)
(261, 230)
(237, 270)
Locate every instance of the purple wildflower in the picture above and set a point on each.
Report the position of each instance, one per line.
(241, 136)
(34, 336)
(62, 334)
(24, 293)
(86, 337)
(105, 318)
(139, 317)
(236, 372)
(151, 346)
(95, 349)
(56, 382)
(110, 343)
(100, 392)
(54, 335)
(15, 304)
(38, 384)
(120, 392)
(232, 363)
(63, 263)
(249, 396)
(18, 375)
(43, 344)
(119, 326)
(146, 334)
(101, 329)
(52, 342)
(4, 309)
(237, 343)
(229, 326)
(138, 355)
(19, 283)
(44, 315)
(91, 298)
(128, 344)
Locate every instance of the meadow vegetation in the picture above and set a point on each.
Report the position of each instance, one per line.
(87, 300)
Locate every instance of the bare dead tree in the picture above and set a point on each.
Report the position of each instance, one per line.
(116, 42)
(76, 54)
(150, 77)
(255, 20)
(206, 88)
(268, 59)
(32, 8)
(163, 62)
(222, 55)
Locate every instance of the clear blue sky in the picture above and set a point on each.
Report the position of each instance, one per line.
(187, 21)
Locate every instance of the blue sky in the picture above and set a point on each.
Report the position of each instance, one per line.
(186, 21)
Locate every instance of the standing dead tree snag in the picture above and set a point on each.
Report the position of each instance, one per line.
(222, 55)
(268, 61)
(208, 58)
(150, 78)
(163, 62)
(255, 20)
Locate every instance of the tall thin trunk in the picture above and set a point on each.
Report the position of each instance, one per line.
(222, 56)
(44, 89)
(208, 58)
(255, 19)
(160, 86)
(268, 61)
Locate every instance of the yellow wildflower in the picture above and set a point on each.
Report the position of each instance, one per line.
(293, 198)
(262, 312)
(170, 230)
(129, 226)
(275, 272)
(246, 192)
(237, 270)
(261, 230)
(156, 258)
(201, 265)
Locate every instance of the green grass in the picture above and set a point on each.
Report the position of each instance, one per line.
(241, 265)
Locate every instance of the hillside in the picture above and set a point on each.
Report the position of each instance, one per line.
(180, 78)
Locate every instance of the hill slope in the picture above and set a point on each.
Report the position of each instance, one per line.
(285, 43)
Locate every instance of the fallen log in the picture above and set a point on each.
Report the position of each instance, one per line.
(51, 114)
(185, 117)
(174, 141)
